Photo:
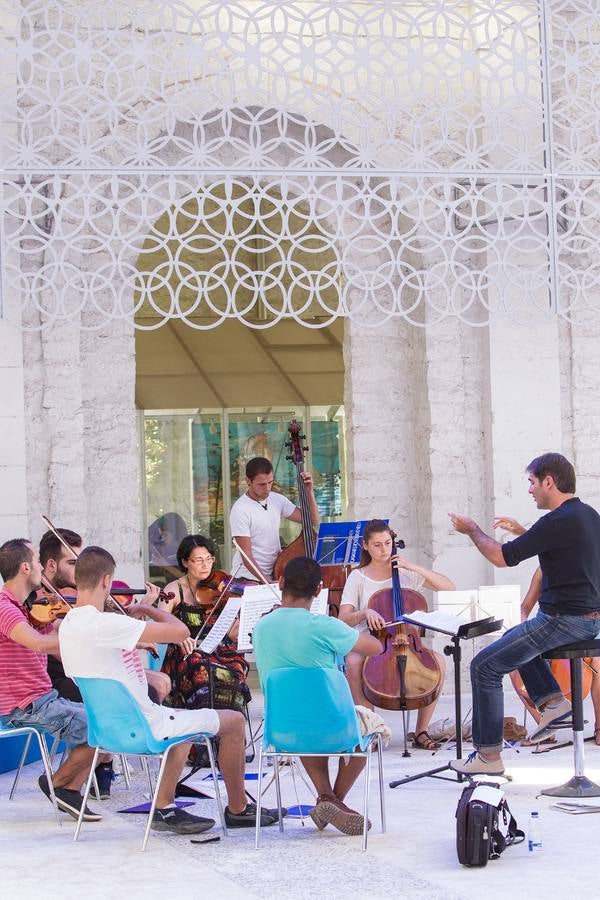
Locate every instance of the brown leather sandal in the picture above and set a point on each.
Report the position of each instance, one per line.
(597, 737)
(423, 741)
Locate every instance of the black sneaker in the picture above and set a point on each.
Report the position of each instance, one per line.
(104, 776)
(247, 818)
(68, 801)
(179, 821)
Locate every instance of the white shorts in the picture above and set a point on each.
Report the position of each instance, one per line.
(180, 722)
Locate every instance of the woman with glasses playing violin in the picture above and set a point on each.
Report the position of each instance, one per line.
(199, 680)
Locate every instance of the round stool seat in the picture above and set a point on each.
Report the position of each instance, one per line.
(576, 650)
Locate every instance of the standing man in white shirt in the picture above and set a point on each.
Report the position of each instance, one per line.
(256, 516)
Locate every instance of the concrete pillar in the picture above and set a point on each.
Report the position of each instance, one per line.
(386, 414)
(13, 506)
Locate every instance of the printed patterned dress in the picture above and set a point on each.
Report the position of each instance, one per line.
(217, 679)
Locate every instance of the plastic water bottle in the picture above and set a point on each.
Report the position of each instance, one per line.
(535, 833)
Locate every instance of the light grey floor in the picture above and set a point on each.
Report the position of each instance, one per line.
(416, 858)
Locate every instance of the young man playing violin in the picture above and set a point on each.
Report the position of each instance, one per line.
(95, 644)
(58, 568)
(292, 636)
(255, 519)
(26, 693)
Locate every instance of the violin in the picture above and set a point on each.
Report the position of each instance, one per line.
(406, 675)
(334, 576)
(212, 592)
(46, 606)
(118, 606)
(218, 585)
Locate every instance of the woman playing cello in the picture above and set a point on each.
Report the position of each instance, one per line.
(374, 573)
(199, 679)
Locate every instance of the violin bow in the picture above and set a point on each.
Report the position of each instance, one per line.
(253, 566)
(200, 634)
(75, 553)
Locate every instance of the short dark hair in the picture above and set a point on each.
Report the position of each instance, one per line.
(258, 465)
(92, 564)
(556, 465)
(184, 551)
(12, 554)
(375, 526)
(51, 547)
(301, 577)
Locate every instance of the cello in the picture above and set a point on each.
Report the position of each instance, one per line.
(406, 675)
(334, 576)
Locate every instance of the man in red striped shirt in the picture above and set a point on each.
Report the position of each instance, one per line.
(26, 693)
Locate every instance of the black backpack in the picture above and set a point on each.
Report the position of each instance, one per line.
(484, 830)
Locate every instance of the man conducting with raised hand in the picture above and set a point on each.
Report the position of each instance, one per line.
(293, 636)
(567, 542)
(95, 644)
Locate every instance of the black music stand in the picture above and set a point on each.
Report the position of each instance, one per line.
(466, 632)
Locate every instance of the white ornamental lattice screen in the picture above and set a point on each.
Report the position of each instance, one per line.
(261, 160)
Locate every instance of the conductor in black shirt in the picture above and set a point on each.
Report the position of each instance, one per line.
(567, 542)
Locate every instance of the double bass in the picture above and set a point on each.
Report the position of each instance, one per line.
(406, 675)
(334, 576)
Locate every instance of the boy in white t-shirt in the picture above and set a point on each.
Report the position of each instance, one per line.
(256, 516)
(95, 644)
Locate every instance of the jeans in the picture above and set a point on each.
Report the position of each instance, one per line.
(520, 648)
(53, 714)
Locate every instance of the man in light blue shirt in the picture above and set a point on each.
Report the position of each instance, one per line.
(292, 636)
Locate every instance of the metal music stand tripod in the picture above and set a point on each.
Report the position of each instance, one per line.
(465, 632)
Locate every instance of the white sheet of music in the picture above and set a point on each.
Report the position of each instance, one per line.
(437, 620)
(260, 599)
(222, 625)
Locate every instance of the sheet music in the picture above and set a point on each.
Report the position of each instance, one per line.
(222, 625)
(438, 621)
(260, 599)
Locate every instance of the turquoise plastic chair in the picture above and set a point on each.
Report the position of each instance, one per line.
(28, 731)
(310, 712)
(116, 724)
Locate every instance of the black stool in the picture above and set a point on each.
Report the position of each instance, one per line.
(579, 785)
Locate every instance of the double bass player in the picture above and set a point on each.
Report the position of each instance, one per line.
(256, 516)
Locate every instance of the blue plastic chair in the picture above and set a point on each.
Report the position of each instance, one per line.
(116, 724)
(7, 731)
(310, 712)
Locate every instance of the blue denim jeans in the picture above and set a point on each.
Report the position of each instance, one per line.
(520, 648)
(53, 714)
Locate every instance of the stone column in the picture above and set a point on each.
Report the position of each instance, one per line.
(13, 490)
(386, 413)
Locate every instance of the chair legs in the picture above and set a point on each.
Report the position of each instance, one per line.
(367, 777)
(86, 793)
(46, 760)
(381, 785)
(146, 767)
(366, 789)
(215, 775)
(163, 763)
(20, 766)
(259, 789)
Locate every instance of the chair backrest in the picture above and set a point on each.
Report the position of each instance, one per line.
(309, 710)
(115, 720)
